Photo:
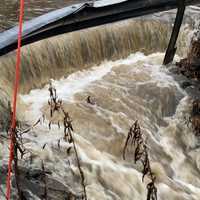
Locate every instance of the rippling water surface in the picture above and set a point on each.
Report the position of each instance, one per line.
(9, 9)
(135, 88)
(120, 66)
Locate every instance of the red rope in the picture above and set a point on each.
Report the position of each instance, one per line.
(15, 91)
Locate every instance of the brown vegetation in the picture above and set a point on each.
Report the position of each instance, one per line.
(194, 119)
(56, 105)
(135, 139)
(190, 67)
(19, 149)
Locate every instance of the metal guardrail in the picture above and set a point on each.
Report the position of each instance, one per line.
(83, 15)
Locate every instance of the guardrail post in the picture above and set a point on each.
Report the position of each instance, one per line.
(171, 49)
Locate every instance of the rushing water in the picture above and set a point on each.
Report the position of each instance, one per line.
(127, 85)
(135, 88)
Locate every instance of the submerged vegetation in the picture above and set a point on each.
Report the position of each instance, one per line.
(56, 106)
(195, 117)
(135, 140)
(19, 150)
(83, 49)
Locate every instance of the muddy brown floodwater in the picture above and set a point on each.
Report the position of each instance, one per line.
(9, 10)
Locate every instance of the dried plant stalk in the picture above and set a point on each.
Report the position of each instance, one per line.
(135, 138)
(44, 179)
(195, 117)
(56, 105)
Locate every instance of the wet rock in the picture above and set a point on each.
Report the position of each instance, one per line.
(193, 92)
(185, 84)
(190, 66)
(55, 189)
(32, 185)
(174, 70)
(35, 174)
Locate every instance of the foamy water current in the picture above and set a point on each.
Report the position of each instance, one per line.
(135, 88)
